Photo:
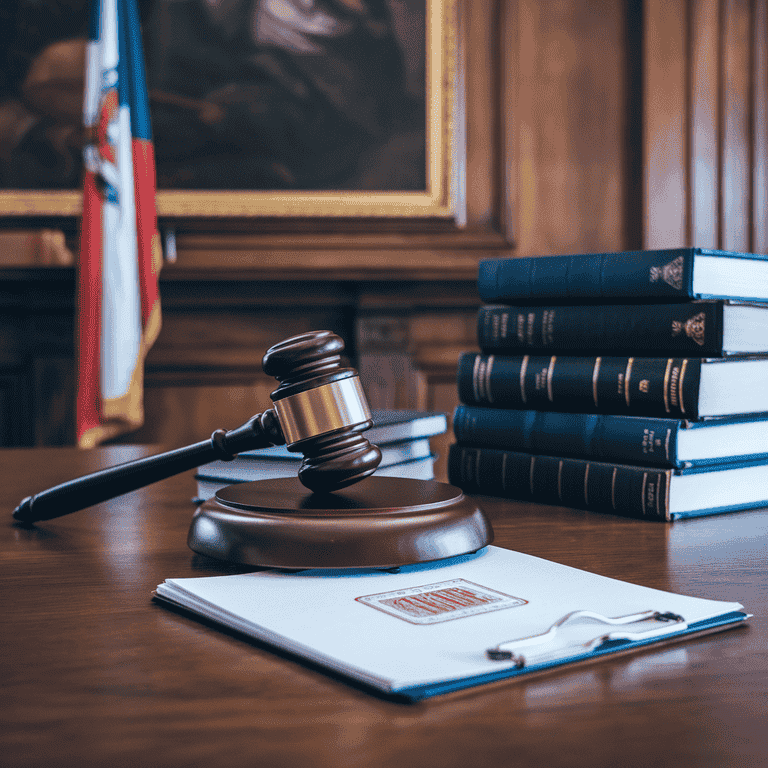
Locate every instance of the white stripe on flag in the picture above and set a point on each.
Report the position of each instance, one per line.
(121, 303)
(92, 97)
(110, 53)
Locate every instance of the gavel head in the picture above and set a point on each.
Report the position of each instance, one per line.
(322, 410)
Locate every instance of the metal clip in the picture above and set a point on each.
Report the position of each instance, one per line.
(672, 622)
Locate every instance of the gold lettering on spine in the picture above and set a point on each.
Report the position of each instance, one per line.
(595, 375)
(523, 369)
(658, 494)
(666, 443)
(521, 328)
(530, 474)
(680, 385)
(531, 325)
(666, 384)
(560, 480)
(613, 487)
(476, 378)
(548, 327)
(642, 498)
(627, 376)
(550, 373)
(666, 495)
(504, 472)
(586, 484)
(487, 383)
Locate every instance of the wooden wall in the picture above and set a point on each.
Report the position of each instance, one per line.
(591, 125)
(576, 111)
(705, 135)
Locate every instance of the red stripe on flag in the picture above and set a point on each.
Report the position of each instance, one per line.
(89, 315)
(146, 223)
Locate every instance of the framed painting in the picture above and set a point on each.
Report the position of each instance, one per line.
(260, 108)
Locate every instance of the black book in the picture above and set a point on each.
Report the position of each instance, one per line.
(696, 329)
(660, 275)
(631, 439)
(633, 491)
(681, 387)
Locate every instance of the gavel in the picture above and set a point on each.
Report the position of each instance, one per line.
(319, 410)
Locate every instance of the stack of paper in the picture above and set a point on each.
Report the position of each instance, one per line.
(427, 629)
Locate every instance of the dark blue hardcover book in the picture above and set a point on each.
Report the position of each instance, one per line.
(660, 275)
(650, 493)
(686, 388)
(715, 328)
(627, 439)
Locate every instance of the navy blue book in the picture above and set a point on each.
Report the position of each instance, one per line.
(660, 275)
(686, 388)
(713, 328)
(622, 489)
(627, 439)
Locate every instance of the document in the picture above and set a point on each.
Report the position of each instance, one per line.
(436, 627)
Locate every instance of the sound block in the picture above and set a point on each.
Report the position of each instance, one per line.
(380, 522)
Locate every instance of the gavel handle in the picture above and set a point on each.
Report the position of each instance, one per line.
(261, 431)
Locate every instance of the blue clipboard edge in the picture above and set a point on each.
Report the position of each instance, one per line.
(699, 629)
(467, 685)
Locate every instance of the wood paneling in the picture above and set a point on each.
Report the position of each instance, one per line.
(760, 127)
(570, 124)
(408, 349)
(665, 120)
(590, 125)
(705, 134)
(204, 371)
(36, 356)
(705, 146)
(52, 396)
(15, 408)
(736, 192)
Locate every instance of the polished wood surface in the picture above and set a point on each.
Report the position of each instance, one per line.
(94, 673)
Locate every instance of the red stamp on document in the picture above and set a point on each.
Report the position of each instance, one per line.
(442, 601)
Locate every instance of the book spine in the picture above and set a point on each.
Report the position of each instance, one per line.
(661, 275)
(651, 329)
(648, 441)
(597, 486)
(632, 386)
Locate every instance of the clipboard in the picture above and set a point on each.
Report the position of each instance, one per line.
(434, 628)
(612, 643)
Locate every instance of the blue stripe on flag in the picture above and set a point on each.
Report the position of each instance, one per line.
(94, 22)
(141, 126)
(123, 81)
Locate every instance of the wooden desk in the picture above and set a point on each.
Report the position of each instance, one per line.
(95, 674)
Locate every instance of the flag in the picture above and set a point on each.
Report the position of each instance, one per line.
(120, 255)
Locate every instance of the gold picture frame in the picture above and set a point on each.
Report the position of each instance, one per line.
(442, 199)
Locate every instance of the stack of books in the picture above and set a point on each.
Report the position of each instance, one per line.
(402, 435)
(633, 383)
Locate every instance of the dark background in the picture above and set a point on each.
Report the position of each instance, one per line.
(229, 112)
